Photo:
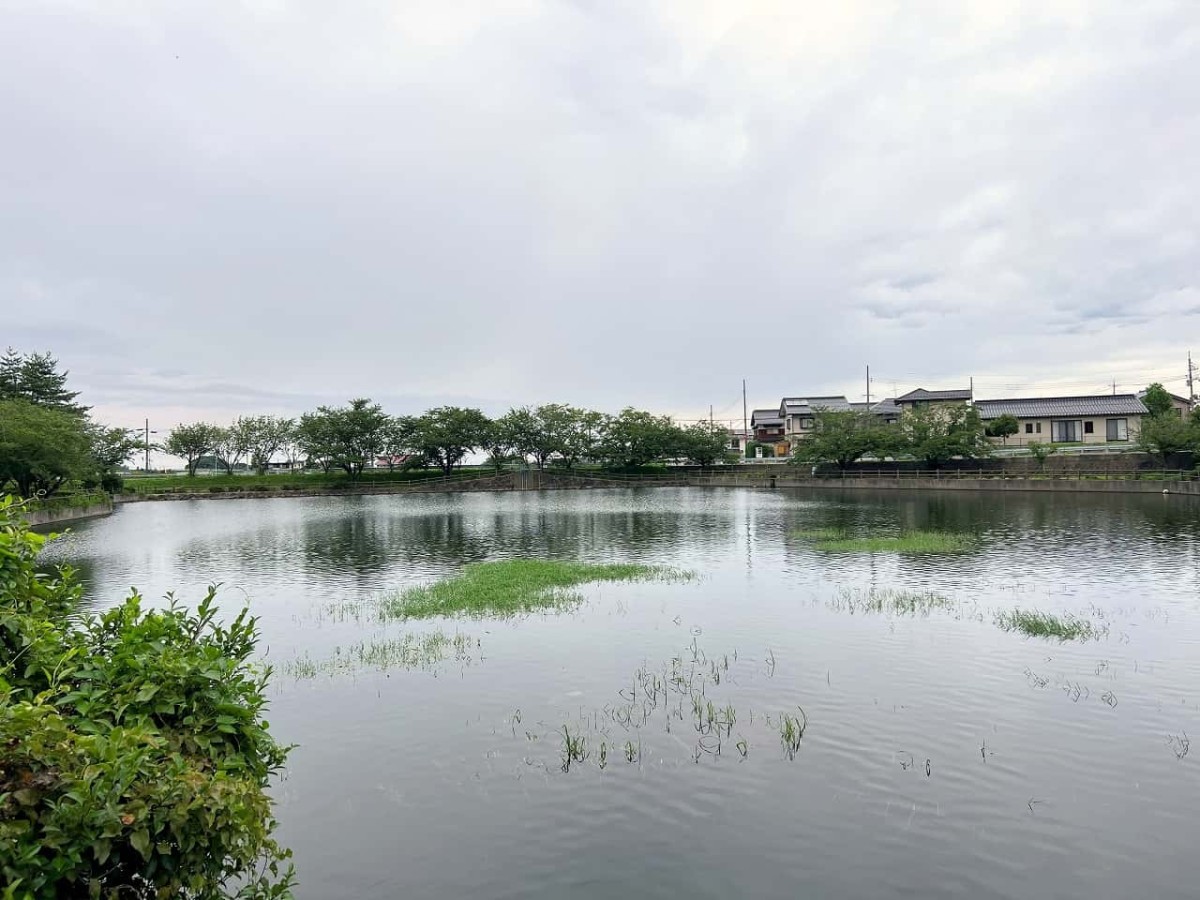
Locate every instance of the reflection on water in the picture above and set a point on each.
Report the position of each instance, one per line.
(943, 757)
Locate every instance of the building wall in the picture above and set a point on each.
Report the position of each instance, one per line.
(1046, 436)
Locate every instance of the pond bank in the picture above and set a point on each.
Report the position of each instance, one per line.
(41, 517)
(534, 480)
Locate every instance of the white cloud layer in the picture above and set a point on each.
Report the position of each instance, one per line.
(219, 208)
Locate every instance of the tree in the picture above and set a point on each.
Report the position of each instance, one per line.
(500, 440)
(935, 434)
(446, 434)
(42, 448)
(842, 437)
(398, 440)
(1163, 434)
(1157, 400)
(1003, 427)
(1041, 452)
(635, 438)
(36, 378)
(261, 437)
(315, 440)
(111, 448)
(229, 448)
(580, 434)
(704, 444)
(134, 757)
(191, 442)
(354, 434)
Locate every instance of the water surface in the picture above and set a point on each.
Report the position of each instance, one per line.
(944, 757)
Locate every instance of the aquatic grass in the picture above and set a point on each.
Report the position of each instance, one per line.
(905, 542)
(890, 600)
(424, 651)
(1036, 623)
(791, 731)
(513, 586)
(820, 534)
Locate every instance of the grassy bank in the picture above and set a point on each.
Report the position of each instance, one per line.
(283, 481)
(837, 541)
(513, 586)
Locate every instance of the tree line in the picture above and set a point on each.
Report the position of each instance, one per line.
(352, 437)
(47, 439)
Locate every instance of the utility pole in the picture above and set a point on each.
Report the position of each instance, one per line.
(745, 418)
(147, 446)
(868, 387)
(710, 419)
(1191, 382)
(1114, 387)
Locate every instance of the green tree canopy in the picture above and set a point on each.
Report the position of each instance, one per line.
(1157, 400)
(1003, 427)
(937, 434)
(705, 444)
(446, 434)
(636, 438)
(42, 448)
(1164, 434)
(843, 437)
(192, 442)
(261, 437)
(36, 379)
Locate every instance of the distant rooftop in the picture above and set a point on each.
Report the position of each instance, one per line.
(798, 406)
(922, 394)
(1049, 407)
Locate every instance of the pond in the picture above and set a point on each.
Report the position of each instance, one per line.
(941, 755)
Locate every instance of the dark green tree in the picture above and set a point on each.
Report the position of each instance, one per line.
(260, 438)
(192, 442)
(1157, 400)
(937, 434)
(843, 437)
(1165, 434)
(446, 434)
(1003, 427)
(636, 438)
(36, 378)
(357, 434)
(705, 445)
(42, 448)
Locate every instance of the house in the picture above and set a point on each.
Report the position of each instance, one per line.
(887, 410)
(1103, 419)
(799, 414)
(1179, 405)
(923, 398)
(738, 439)
(767, 426)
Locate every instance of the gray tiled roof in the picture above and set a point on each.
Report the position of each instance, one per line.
(761, 417)
(1048, 407)
(922, 394)
(799, 406)
(886, 407)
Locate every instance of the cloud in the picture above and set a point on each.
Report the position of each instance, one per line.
(286, 203)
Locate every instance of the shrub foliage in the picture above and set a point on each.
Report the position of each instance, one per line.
(134, 757)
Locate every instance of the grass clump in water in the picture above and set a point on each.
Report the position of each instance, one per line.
(512, 586)
(889, 600)
(905, 542)
(1043, 624)
(409, 651)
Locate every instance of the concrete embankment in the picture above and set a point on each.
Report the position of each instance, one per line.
(534, 480)
(56, 516)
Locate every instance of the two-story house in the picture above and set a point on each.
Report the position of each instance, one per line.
(799, 414)
(921, 398)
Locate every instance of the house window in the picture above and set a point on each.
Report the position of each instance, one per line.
(1087, 427)
(1029, 428)
(1117, 429)
(1065, 431)
(806, 423)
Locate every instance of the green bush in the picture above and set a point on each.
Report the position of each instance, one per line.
(134, 759)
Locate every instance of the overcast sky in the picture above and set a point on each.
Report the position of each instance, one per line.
(209, 209)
